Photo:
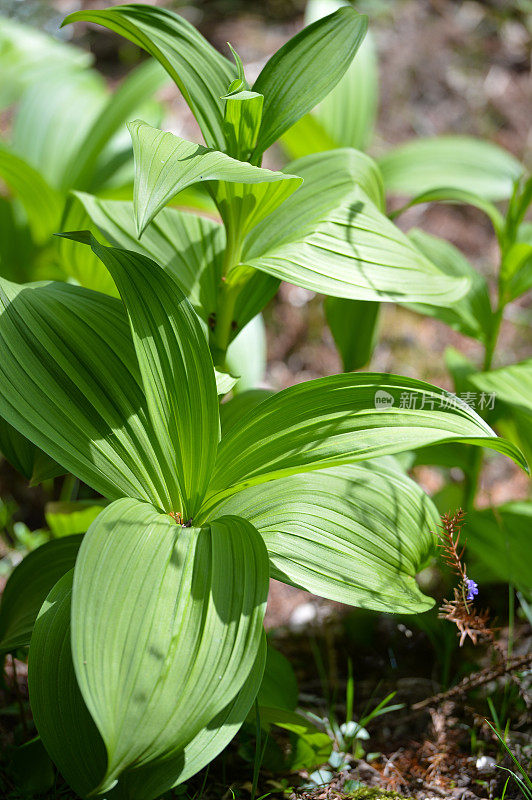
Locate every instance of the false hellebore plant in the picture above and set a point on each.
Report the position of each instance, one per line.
(149, 650)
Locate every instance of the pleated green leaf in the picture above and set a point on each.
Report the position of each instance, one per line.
(150, 781)
(353, 324)
(74, 98)
(331, 237)
(43, 204)
(151, 688)
(459, 162)
(508, 391)
(242, 116)
(70, 735)
(29, 585)
(177, 373)
(499, 547)
(68, 517)
(356, 534)
(165, 164)
(27, 459)
(61, 717)
(233, 410)
(305, 70)
(511, 385)
(200, 72)
(348, 112)
(341, 419)
(188, 246)
(471, 314)
(69, 382)
(26, 54)
(140, 85)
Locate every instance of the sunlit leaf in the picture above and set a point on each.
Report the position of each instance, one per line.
(69, 382)
(165, 164)
(356, 534)
(341, 419)
(28, 586)
(305, 69)
(460, 162)
(152, 688)
(201, 73)
(176, 370)
(471, 314)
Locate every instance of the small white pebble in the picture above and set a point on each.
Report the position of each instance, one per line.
(302, 616)
(486, 764)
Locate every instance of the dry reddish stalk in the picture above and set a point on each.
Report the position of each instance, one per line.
(469, 622)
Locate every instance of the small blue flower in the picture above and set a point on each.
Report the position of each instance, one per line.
(472, 589)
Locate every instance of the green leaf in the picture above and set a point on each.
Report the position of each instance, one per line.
(233, 410)
(508, 391)
(65, 518)
(28, 586)
(224, 382)
(242, 116)
(459, 162)
(42, 204)
(310, 746)
(121, 105)
(200, 72)
(348, 112)
(516, 267)
(331, 237)
(353, 324)
(176, 370)
(511, 385)
(279, 683)
(68, 730)
(356, 534)
(22, 454)
(152, 688)
(76, 99)
(305, 70)
(166, 164)
(28, 55)
(69, 382)
(498, 545)
(155, 778)
(188, 246)
(80, 263)
(307, 136)
(246, 355)
(472, 314)
(342, 419)
(61, 717)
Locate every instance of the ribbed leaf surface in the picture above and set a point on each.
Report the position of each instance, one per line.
(200, 72)
(61, 717)
(341, 419)
(176, 370)
(29, 585)
(69, 382)
(305, 70)
(356, 534)
(331, 237)
(166, 626)
(166, 164)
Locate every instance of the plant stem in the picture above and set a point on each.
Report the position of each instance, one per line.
(477, 454)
